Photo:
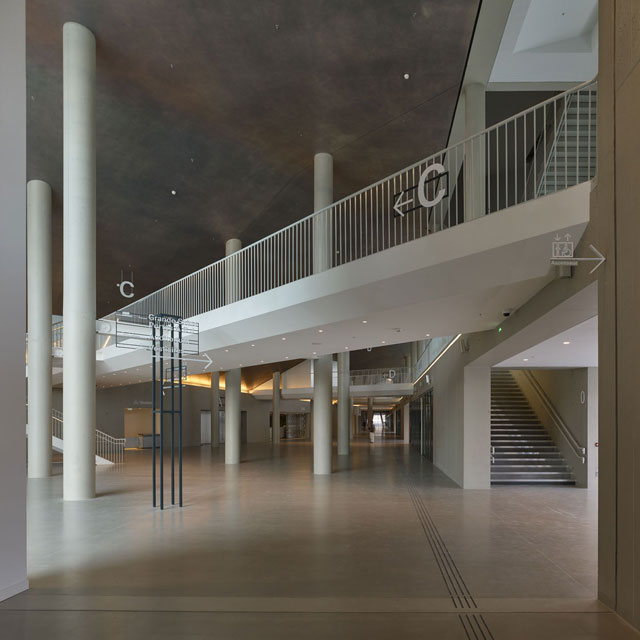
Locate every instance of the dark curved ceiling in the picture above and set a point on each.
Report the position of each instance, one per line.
(225, 102)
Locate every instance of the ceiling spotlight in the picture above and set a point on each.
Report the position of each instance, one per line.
(566, 342)
(284, 338)
(320, 330)
(173, 192)
(364, 322)
(384, 342)
(286, 357)
(226, 350)
(525, 359)
(261, 360)
(253, 345)
(315, 353)
(406, 76)
(426, 335)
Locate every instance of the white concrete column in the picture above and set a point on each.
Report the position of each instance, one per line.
(413, 355)
(476, 428)
(275, 420)
(233, 378)
(322, 436)
(215, 408)
(322, 197)
(475, 172)
(406, 423)
(39, 327)
(232, 396)
(233, 271)
(344, 403)
(79, 302)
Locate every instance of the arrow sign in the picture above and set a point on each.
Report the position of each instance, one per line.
(206, 359)
(398, 204)
(599, 259)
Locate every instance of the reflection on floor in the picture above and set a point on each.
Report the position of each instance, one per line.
(385, 547)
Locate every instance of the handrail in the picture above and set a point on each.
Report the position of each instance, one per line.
(491, 167)
(578, 450)
(107, 446)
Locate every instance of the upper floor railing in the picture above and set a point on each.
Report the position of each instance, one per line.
(548, 147)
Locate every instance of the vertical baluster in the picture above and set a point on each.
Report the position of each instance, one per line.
(566, 140)
(577, 137)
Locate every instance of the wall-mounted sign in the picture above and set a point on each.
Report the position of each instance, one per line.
(562, 253)
(432, 188)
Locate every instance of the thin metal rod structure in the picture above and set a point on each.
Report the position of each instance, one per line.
(180, 411)
(153, 410)
(161, 417)
(171, 388)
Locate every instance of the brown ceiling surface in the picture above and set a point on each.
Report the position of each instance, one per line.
(226, 102)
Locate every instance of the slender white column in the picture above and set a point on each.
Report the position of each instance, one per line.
(39, 327)
(79, 302)
(322, 197)
(233, 377)
(232, 397)
(475, 177)
(322, 436)
(275, 421)
(215, 408)
(344, 404)
(233, 272)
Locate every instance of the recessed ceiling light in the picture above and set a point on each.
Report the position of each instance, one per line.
(315, 353)
(384, 342)
(226, 350)
(286, 357)
(284, 338)
(426, 335)
(261, 360)
(320, 330)
(346, 347)
(525, 359)
(253, 345)
(566, 342)
(406, 76)
(173, 192)
(364, 322)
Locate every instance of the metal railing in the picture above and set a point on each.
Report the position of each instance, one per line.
(107, 446)
(578, 450)
(497, 168)
(433, 349)
(392, 375)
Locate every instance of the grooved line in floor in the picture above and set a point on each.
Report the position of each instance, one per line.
(475, 626)
(458, 590)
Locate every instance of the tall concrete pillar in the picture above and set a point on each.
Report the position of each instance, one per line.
(215, 408)
(233, 271)
(475, 171)
(79, 301)
(233, 378)
(322, 197)
(344, 404)
(322, 431)
(232, 396)
(275, 421)
(39, 327)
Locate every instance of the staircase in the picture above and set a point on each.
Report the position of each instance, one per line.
(521, 450)
(572, 157)
(109, 450)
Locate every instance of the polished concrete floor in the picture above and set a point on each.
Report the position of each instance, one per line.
(387, 547)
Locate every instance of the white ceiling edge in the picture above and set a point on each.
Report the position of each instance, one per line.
(573, 348)
(548, 41)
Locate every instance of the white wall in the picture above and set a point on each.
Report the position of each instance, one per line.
(13, 180)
